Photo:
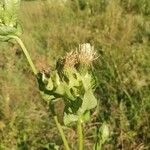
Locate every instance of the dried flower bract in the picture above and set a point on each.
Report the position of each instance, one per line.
(70, 59)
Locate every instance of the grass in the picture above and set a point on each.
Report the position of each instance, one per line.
(120, 32)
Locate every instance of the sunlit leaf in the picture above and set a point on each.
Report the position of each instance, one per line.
(11, 11)
(89, 101)
(69, 118)
(86, 80)
(50, 84)
(9, 19)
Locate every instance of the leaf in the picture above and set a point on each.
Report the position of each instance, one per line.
(19, 29)
(11, 11)
(73, 106)
(68, 92)
(86, 116)
(50, 85)
(9, 19)
(4, 38)
(69, 118)
(60, 89)
(89, 101)
(6, 30)
(55, 78)
(47, 97)
(86, 80)
(73, 77)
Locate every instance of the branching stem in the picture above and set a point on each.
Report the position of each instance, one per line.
(25, 52)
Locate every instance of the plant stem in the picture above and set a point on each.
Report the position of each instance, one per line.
(80, 133)
(25, 52)
(61, 133)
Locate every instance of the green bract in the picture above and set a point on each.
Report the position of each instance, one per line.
(9, 19)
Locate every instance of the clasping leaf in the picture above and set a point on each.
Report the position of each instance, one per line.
(9, 19)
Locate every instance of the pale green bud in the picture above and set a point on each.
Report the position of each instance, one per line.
(104, 131)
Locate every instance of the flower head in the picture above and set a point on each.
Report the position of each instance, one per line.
(70, 60)
(86, 54)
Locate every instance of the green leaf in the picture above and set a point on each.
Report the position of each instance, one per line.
(67, 92)
(86, 80)
(50, 85)
(4, 38)
(56, 79)
(69, 118)
(73, 77)
(9, 19)
(89, 101)
(6, 30)
(47, 97)
(60, 89)
(86, 116)
(11, 11)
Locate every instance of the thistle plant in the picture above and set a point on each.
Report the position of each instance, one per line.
(72, 80)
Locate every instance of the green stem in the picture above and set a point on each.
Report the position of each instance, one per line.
(80, 133)
(25, 52)
(61, 133)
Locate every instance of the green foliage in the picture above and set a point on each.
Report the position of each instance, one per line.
(8, 19)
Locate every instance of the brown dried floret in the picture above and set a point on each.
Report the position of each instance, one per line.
(70, 59)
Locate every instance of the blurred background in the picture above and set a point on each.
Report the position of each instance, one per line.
(120, 33)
